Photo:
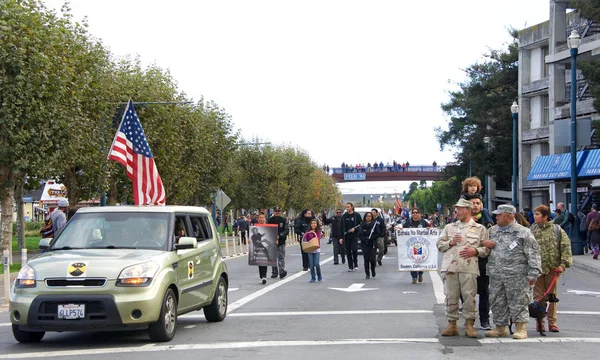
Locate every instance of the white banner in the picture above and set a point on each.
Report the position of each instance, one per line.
(417, 250)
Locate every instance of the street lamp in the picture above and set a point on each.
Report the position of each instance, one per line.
(514, 109)
(573, 42)
(486, 140)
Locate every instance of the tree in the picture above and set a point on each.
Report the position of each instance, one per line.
(479, 108)
(590, 9)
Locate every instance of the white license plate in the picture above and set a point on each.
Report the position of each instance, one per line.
(71, 311)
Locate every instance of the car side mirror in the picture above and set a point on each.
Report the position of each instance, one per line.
(186, 243)
(45, 243)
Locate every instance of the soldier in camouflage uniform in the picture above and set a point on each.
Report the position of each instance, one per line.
(461, 243)
(556, 257)
(513, 266)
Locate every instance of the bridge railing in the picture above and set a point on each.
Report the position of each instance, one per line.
(413, 168)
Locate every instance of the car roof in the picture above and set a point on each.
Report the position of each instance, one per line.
(144, 208)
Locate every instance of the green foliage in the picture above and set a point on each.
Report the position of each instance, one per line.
(590, 9)
(427, 198)
(480, 108)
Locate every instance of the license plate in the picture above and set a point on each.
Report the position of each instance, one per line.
(71, 311)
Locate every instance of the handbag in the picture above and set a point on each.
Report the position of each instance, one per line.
(310, 245)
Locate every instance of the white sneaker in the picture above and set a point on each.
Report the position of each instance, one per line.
(263, 281)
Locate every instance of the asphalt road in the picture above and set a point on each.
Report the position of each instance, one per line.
(385, 317)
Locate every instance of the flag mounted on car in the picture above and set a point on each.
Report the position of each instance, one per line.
(130, 148)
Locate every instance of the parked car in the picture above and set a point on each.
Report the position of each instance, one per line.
(120, 268)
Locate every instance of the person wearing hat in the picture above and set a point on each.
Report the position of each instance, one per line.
(462, 245)
(58, 217)
(282, 233)
(513, 266)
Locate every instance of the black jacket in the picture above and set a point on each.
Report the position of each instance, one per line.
(335, 222)
(410, 223)
(301, 223)
(369, 232)
(282, 227)
(380, 224)
(348, 222)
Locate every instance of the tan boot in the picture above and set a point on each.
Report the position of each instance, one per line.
(499, 331)
(451, 330)
(521, 332)
(470, 329)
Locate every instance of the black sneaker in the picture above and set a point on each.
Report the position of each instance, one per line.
(350, 269)
(343, 261)
(368, 276)
(336, 263)
(273, 276)
(263, 281)
(380, 263)
(283, 274)
(305, 269)
(485, 325)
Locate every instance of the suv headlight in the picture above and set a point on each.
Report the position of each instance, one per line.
(25, 278)
(137, 275)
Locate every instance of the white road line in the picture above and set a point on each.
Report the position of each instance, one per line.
(547, 339)
(566, 312)
(219, 346)
(438, 287)
(243, 301)
(313, 313)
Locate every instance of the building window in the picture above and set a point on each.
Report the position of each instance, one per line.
(544, 65)
(546, 111)
(545, 149)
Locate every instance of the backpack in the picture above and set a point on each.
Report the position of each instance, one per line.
(47, 231)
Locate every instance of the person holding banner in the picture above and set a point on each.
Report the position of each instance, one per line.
(416, 221)
(282, 232)
(461, 243)
(260, 248)
(369, 233)
(313, 232)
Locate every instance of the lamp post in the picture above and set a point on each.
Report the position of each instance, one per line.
(486, 140)
(514, 109)
(573, 42)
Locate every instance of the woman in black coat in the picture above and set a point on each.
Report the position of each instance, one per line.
(368, 241)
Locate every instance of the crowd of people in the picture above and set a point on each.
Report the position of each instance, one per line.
(380, 167)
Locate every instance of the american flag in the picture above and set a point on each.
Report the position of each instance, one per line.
(130, 148)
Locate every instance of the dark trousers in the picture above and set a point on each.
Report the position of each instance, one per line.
(243, 236)
(262, 272)
(351, 245)
(304, 257)
(415, 274)
(483, 286)
(338, 249)
(369, 254)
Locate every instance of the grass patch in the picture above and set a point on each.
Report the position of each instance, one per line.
(31, 243)
(13, 268)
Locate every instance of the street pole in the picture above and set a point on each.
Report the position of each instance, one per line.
(514, 109)
(573, 42)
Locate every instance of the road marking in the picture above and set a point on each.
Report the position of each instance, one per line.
(219, 346)
(354, 288)
(189, 326)
(410, 292)
(438, 287)
(584, 292)
(243, 301)
(538, 340)
(563, 312)
(233, 289)
(342, 312)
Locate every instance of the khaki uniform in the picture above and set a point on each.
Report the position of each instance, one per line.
(460, 274)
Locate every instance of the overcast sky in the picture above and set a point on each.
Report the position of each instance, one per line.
(349, 81)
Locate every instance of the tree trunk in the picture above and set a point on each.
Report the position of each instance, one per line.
(6, 219)
(71, 185)
(20, 214)
(112, 199)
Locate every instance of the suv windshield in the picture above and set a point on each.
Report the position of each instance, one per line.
(135, 230)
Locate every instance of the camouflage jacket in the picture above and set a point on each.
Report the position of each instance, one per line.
(516, 254)
(552, 256)
(473, 234)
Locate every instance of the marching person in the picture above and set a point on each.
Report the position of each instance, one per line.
(242, 228)
(257, 245)
(59, 217)
(369, 233)
(282, 232)
(416, 221)
(380, 241)
(555, 251)
(300, 228)
(336, 236)
(349, 228)
(314, 230)
(481, 216)
(513, 266)
(461, 243)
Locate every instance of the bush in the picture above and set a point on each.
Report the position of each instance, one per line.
(30, 227)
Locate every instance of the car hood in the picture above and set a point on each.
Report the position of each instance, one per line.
(86, 263)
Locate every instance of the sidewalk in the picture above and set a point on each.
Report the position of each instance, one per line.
(585, 262)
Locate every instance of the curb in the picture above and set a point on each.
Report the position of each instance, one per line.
(586, 267)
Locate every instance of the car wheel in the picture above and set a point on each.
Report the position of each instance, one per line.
(217, 310)
(27, 336)
(164, 329)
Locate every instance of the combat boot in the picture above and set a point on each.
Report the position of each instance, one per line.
(451, 330)
(499, 331)
(470, 329)
(521, 332)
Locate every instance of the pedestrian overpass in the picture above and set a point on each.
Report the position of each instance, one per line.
(410, 173)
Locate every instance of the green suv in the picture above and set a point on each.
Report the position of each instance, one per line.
(122, 268)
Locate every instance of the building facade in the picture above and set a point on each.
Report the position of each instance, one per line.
(544, 100)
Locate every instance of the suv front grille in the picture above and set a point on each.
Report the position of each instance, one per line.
(66, 282)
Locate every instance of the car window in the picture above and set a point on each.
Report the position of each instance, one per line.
(136, 230)
(201, 227)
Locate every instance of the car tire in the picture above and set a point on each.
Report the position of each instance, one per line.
(217, 309)
(27, 336)
(166, 326)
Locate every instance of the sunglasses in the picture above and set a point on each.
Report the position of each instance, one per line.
(415, 212)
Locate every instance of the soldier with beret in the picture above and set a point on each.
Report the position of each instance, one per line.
(513, 267)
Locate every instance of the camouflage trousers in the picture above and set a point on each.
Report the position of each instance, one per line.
(509, 299)
(456, 284)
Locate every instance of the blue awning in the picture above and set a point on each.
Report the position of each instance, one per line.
(553, 167)
(591, 165)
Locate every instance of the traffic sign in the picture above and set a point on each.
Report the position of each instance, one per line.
(221, 199)
(355, 176)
